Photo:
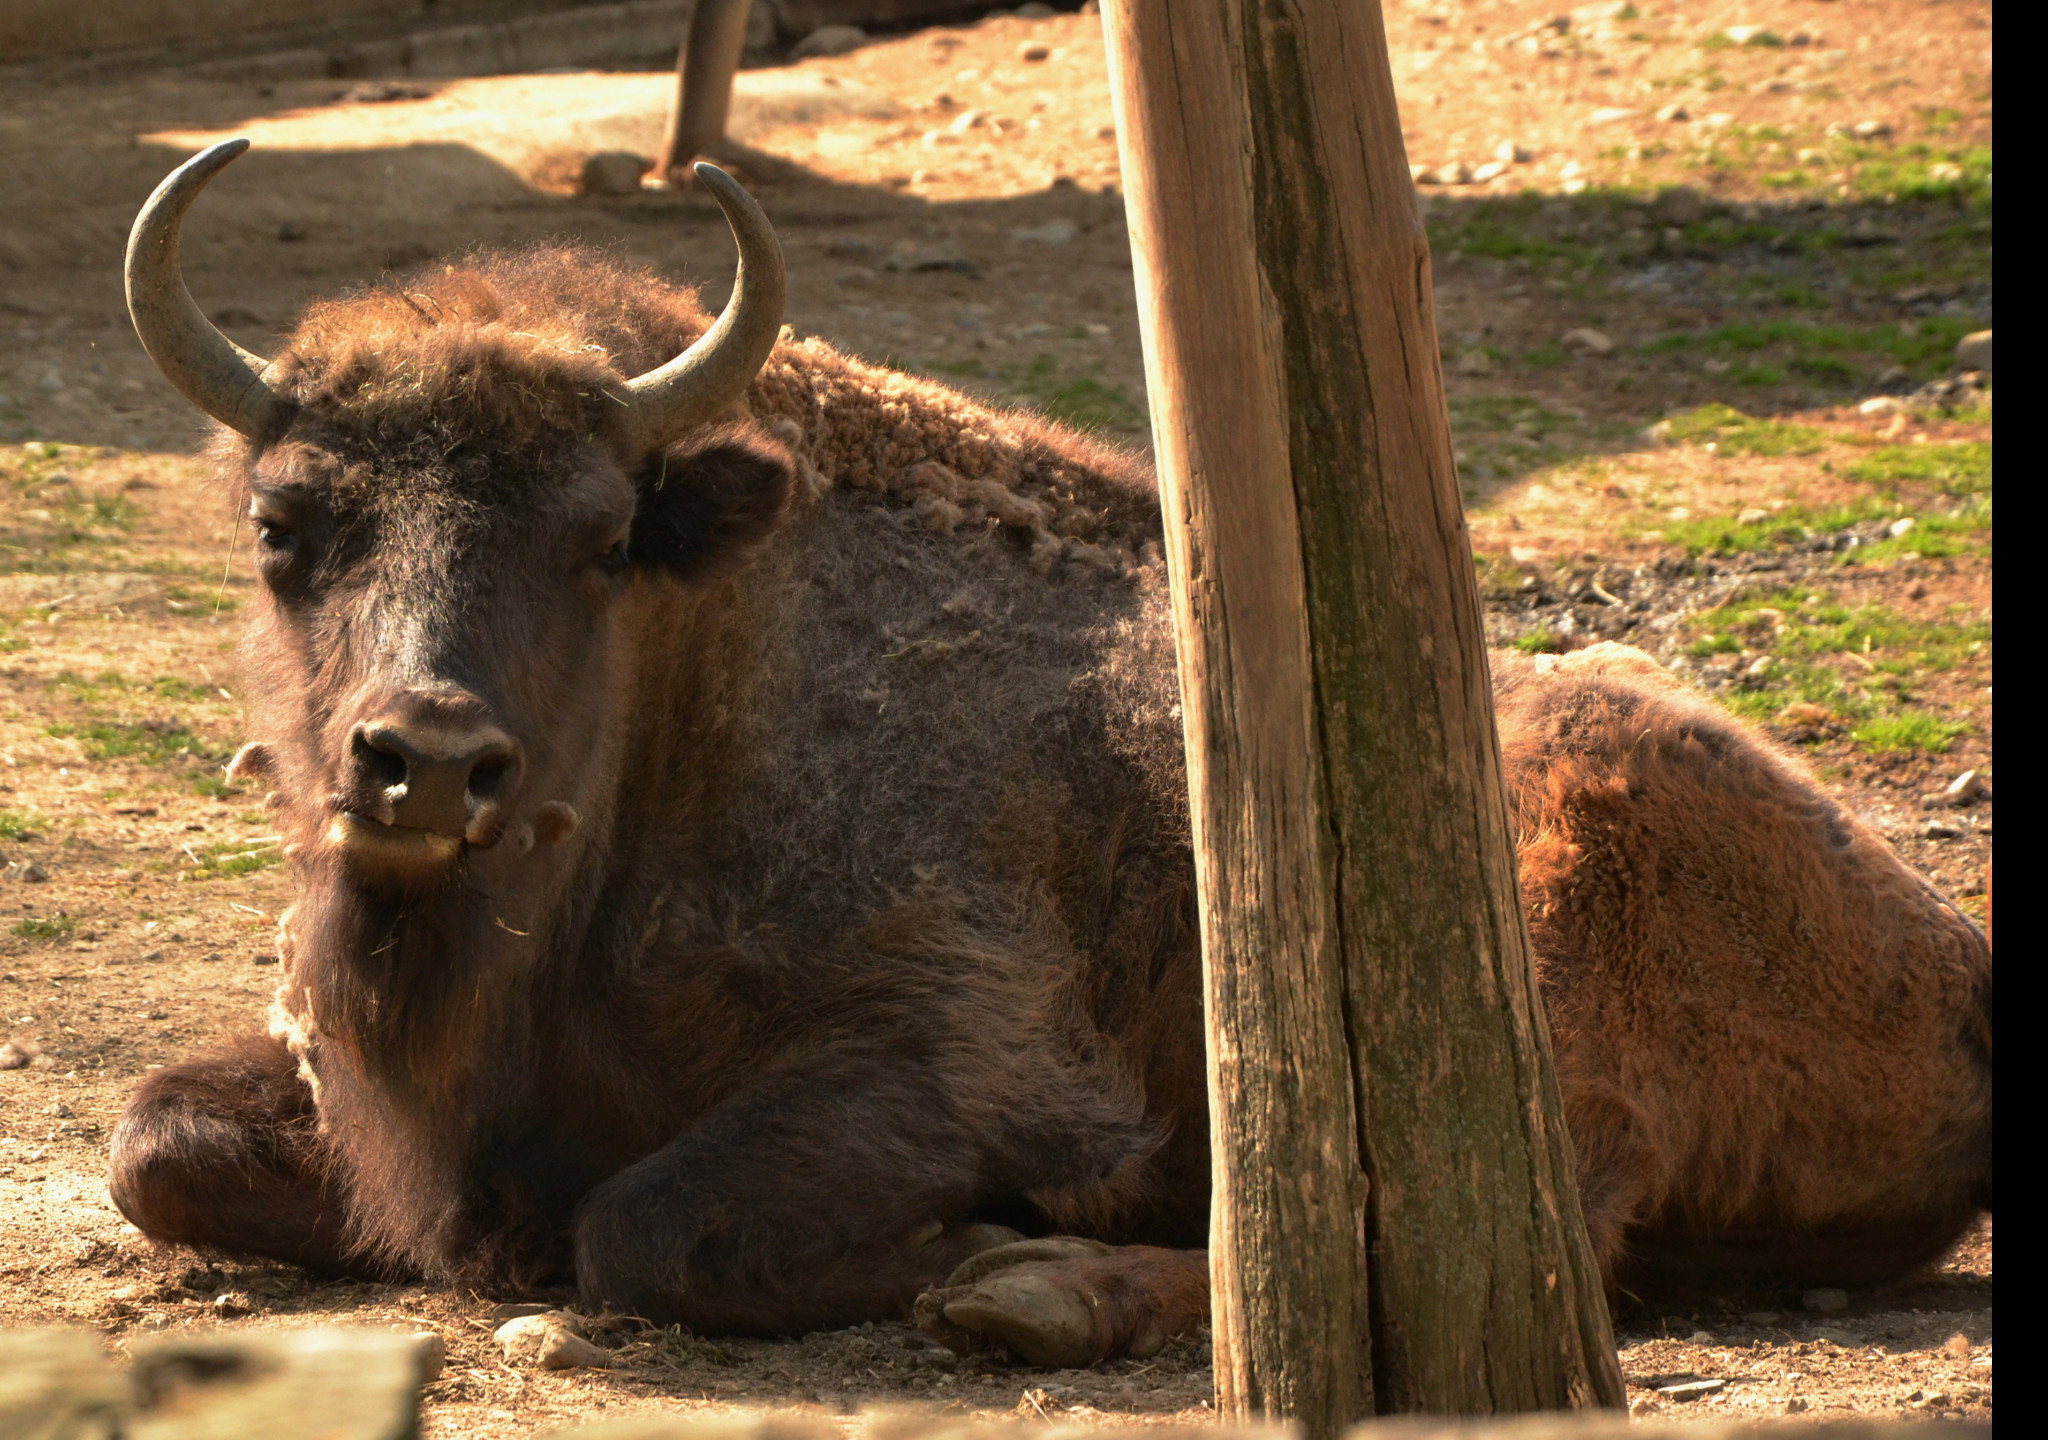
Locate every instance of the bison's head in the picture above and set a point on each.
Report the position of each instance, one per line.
(453, 485)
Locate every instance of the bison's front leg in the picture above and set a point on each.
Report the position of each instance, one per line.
(1066, 1303)
(224, 1153)
(803, 1204)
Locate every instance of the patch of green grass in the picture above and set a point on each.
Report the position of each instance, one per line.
(169, 687)
(1540, 641)
(1735, 433)
(1801, 631)
(1938, 119)
(1936, 537)
(1757, 374)
(213, 787)
(225, 859)
(60, 927)
(1545, 357)
(157, 742)
(1922, 173)
(15, 826)
(1908, 730)
(1728, 535)
(1924, 347)
(1954, 468)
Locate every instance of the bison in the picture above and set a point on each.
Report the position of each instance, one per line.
(736, 800)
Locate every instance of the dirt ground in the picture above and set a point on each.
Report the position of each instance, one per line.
(1775, 214)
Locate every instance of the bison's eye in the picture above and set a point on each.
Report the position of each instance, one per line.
(612, 560)
(276, 539)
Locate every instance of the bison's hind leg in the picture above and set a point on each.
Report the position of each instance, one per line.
(223, 1154)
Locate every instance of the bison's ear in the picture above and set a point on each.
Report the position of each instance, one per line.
(707, 508)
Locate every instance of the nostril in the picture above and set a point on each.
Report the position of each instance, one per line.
(380, 764)
(488, 780)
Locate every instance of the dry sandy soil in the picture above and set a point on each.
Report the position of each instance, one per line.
(951, 205)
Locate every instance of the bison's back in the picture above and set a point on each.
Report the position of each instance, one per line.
(1773, 1037)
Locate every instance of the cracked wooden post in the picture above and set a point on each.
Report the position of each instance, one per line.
(1396, 1226)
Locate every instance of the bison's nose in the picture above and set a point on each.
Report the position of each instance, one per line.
(453, 777)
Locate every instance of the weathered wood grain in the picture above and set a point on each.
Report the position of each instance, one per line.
(1396, 1227)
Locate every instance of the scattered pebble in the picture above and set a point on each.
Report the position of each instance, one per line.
(1939, 830)
(1586, 341)
(1511, 153)
(1475, 362)
(831, 40)
(1674, 114)
(1491, 170)
(1034, 51)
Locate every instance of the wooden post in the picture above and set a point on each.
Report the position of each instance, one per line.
(705, 64)
(1396, 1224)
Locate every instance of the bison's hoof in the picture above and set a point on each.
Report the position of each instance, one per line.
(1027, 1296)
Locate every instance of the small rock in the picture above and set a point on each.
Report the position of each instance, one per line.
(1607, 114)
(614, 172)
(1586, 341)
(1034, 51)
(1455, 173)
(232, 1302)
(970, 119)
(1938, 830)
(1474, 362)
(34, 874)
(1680, 205)
(550, 1341)
(430, 1350)
(1752, 516)
(1826, 1300)
(61, 1111)
(1510, 153)
(1966, 789)
(1869, 129)
(1973, 352)
(19, 1053)
(831, 40)
(1691, 1390)
(1423, 174)
(1674, 114)
(1642, 1405)
(1880, 405)
(1052, 232)
(1491, 170)
(1900, 527)
(1795, 1406)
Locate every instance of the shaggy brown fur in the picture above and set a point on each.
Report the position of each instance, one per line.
(879, 913)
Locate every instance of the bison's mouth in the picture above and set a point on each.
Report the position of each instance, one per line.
(405, 849)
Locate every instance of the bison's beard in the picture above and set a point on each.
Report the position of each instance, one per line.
(408, 1015)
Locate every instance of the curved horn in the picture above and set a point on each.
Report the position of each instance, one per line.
(714, 372)
(210, 370)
